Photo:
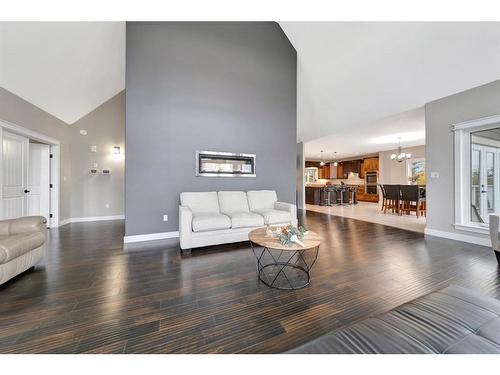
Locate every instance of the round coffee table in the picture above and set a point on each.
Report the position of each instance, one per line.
(281, 266)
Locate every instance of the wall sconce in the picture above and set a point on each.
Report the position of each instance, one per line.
(116, 150)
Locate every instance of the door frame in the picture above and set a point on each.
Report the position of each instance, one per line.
(462, 158)
(55, 164)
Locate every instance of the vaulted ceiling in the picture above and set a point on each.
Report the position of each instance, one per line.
(65, 68)
(354, 77)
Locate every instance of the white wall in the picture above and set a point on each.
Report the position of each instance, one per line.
(391, 172)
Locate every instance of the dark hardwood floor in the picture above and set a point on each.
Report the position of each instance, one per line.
(91, 296)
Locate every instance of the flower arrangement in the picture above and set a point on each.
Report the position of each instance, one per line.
(289, 235)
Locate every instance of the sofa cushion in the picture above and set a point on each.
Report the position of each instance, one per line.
(246, 219)
(233, 201)
(272, 216)
(201, 202)
(261, 199)
(15, 245)
(210, 221)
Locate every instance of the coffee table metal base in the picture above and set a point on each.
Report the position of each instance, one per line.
(273, 273)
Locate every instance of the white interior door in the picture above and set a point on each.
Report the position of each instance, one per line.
(14, 175)
(485, 170)
(39, 180)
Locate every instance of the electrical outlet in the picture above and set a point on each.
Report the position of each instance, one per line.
(106, 205)
(165, 217)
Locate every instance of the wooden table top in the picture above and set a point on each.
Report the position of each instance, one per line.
(259, 237)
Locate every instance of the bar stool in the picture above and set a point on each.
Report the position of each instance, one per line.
(325, 197)
(353, 190)
(340, 194)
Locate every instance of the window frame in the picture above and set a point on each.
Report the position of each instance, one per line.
(462, 163)
(409, 163)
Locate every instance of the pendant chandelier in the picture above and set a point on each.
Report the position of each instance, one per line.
(321, 162)
(400, 156)
(335, 163)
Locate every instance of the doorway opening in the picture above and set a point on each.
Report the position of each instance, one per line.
(29, 174)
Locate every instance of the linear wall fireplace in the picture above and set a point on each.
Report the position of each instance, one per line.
(224, 164)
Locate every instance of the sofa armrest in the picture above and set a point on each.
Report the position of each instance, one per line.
(24, 225)
(494, 231)
(289, 207)
(185, 227)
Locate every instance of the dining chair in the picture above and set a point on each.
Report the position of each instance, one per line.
(412, 200)
(393, 198)
(384, 198)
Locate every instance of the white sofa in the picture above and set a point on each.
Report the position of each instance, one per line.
(212, 218)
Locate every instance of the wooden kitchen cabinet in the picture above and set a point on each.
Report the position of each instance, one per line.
(362, 169)
(348, 167)
(370, 164)
(324, 171)
(309, 164)
(340, 170)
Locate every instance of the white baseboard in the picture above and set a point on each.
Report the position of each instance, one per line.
(64, 222)
(90, 218)
(458, 237)
(150, 237)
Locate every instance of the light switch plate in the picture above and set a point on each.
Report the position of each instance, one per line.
(165, 217)
(434, 174)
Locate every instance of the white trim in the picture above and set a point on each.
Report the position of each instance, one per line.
(150, 237)
(90, 218)
(55, 180)
(476, 123)
(473, 229)
(458, 237)
(29, 133)
(64, 222)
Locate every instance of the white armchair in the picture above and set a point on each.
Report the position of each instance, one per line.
(495, 235)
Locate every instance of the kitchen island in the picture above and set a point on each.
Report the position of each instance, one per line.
(313, 193)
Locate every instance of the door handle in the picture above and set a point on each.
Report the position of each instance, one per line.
(26, 191)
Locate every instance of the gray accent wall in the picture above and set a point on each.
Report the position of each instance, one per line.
(440, 115)
(301, 183)
(218, 86)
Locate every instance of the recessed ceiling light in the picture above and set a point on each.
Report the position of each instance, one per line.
(83, 132)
